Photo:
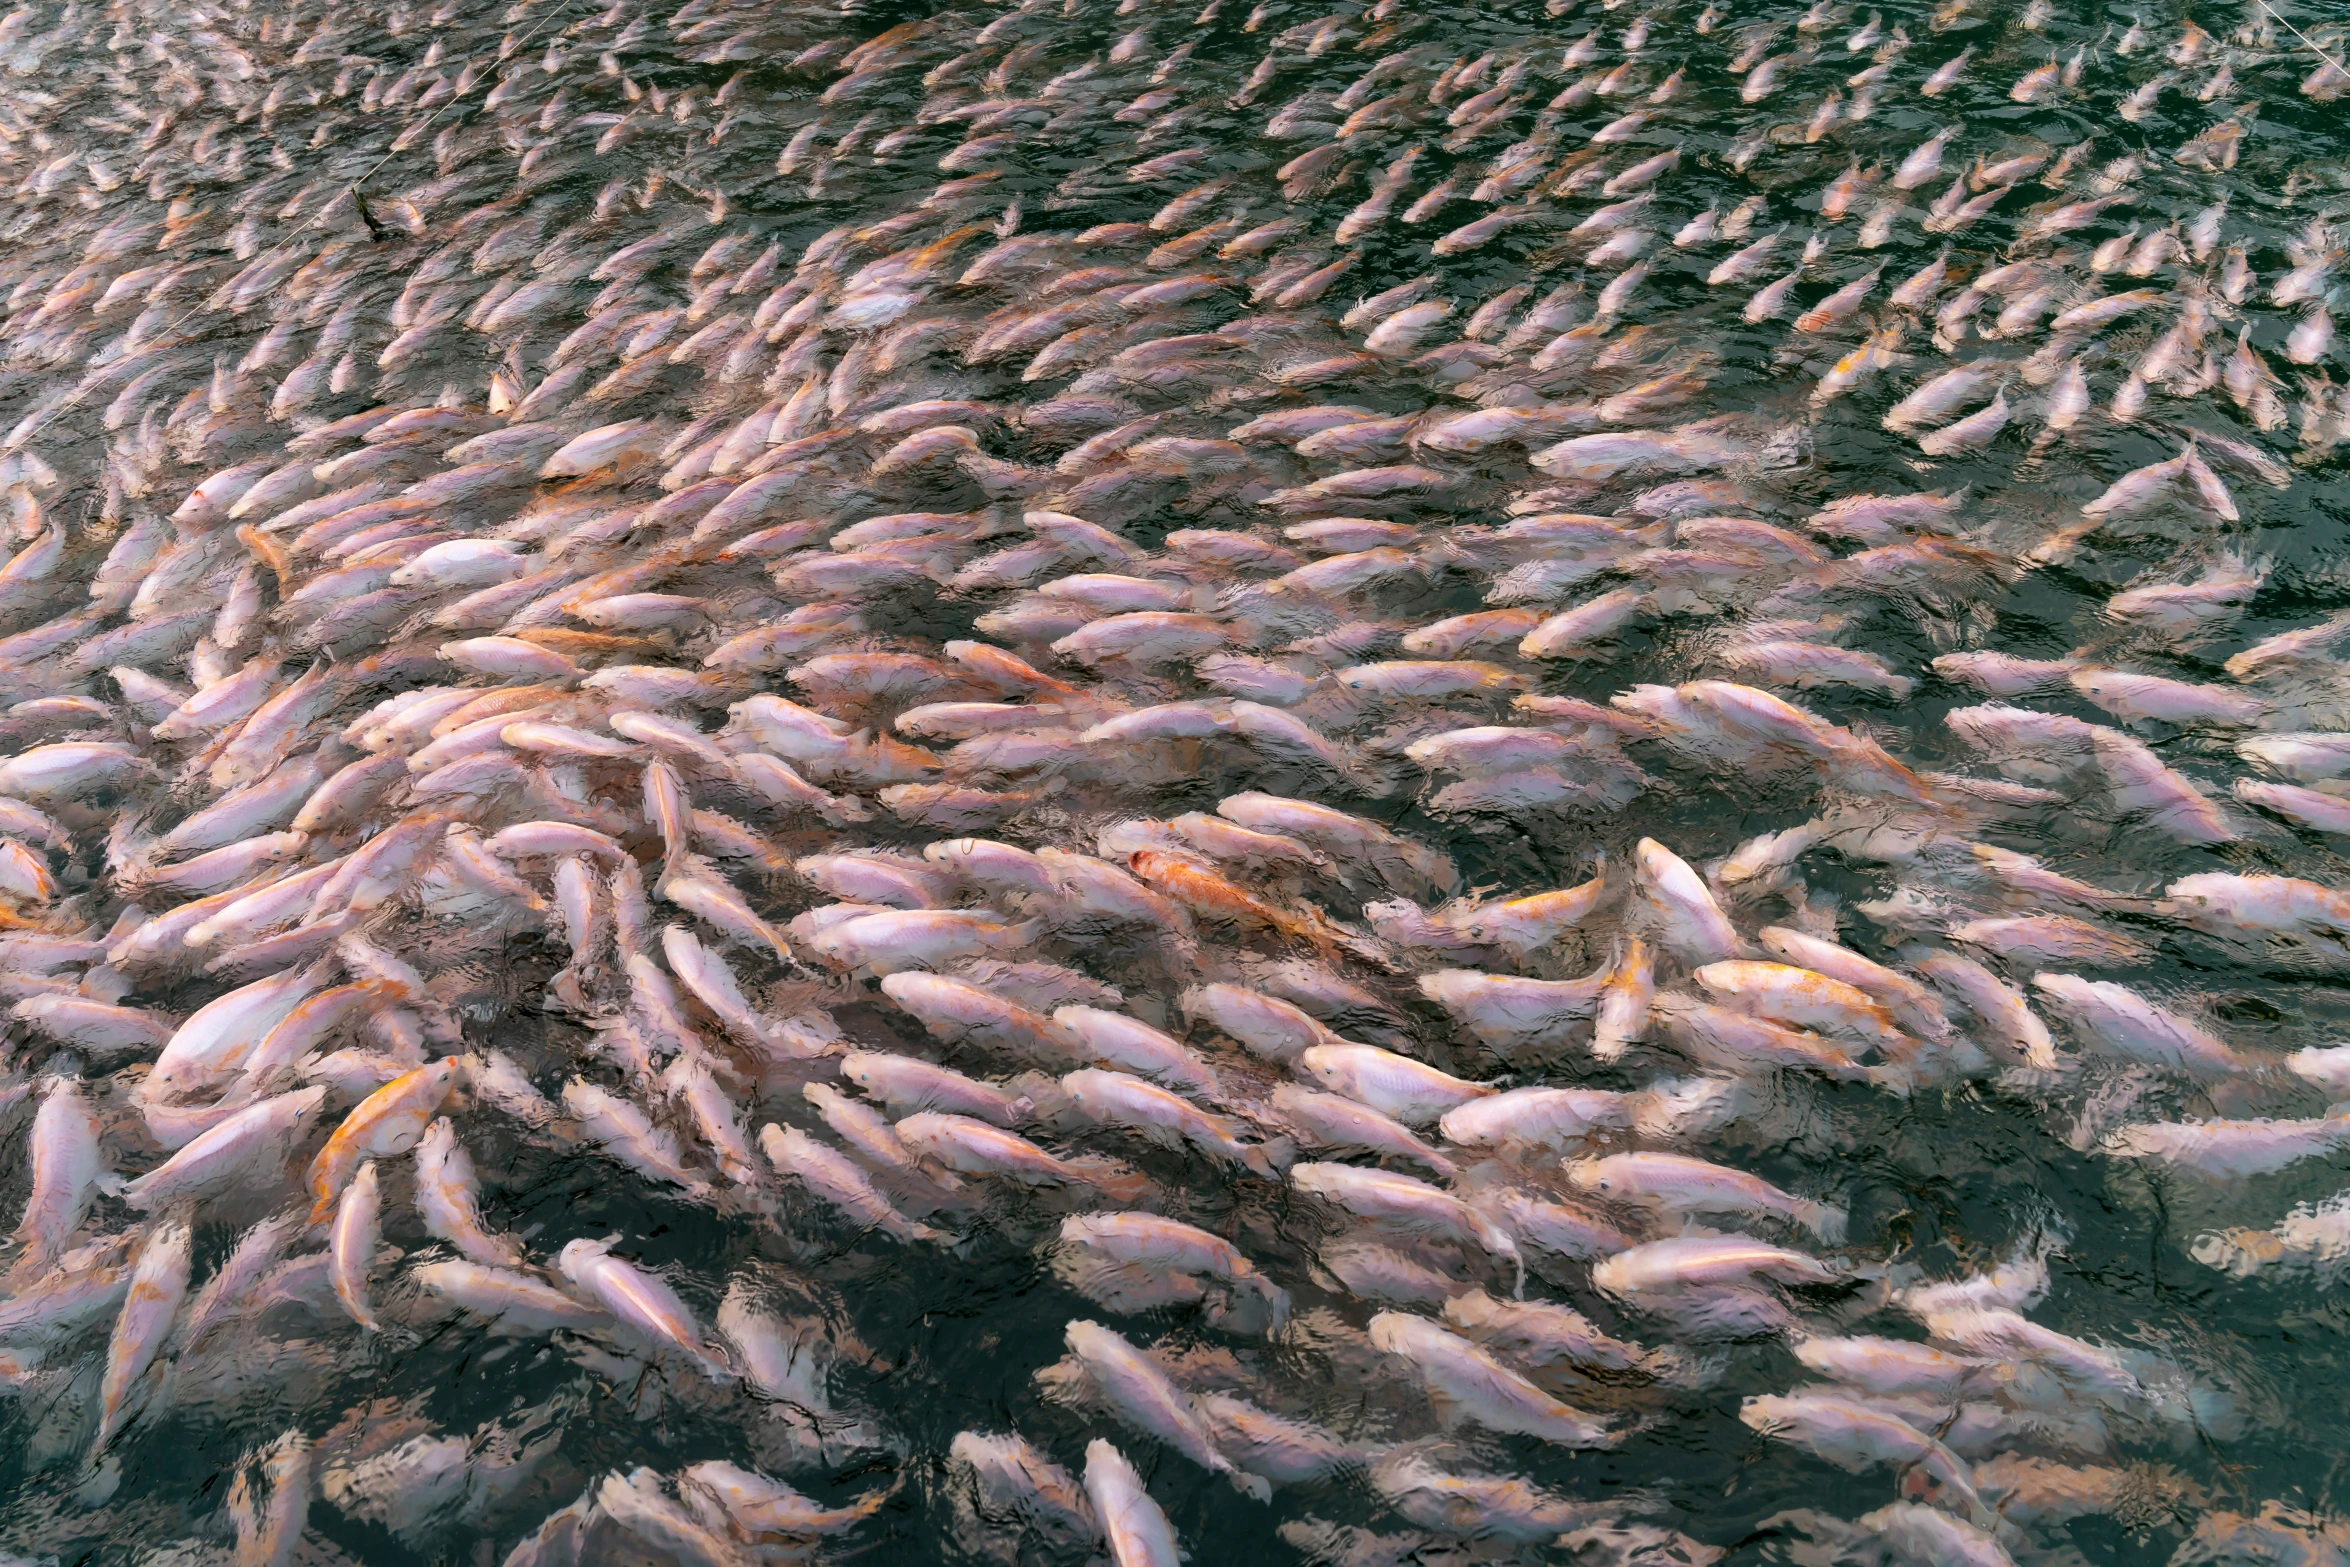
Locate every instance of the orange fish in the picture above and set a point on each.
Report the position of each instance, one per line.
(389, 1121)
(1210, 894)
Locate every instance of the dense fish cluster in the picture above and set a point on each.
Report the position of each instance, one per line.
(1364, 785)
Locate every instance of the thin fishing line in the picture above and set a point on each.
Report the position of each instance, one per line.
(75, 399)
(2304, 37)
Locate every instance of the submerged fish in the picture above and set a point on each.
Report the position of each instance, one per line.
(1265, 666)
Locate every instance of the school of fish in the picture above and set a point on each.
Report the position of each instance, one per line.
(1094, 781)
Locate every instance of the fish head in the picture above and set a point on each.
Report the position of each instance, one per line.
(579, 1257)
(1935, 1482)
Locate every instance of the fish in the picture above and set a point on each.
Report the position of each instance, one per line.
(356, 1232)
(1012, 1477)
(1141, 1394)
(1853, 1436)
(834, 618)
(641, 1301)
(513, 1302)
(244, 1145)
(1133, 1525)
(1505, 1507)
(1681, 1184)
(1478, 1389)
(390, 1120)
(158, 1283)
(1406, 1203)
(66, 1161)
(269, 1525)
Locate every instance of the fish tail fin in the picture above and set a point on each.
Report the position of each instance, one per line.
(2238, 1253)
(1276, 1301)
(1681, 1368)
(1899, 1078)
(1503, 1246)
(1433, 867)
(1113, 1180)
(846, 808)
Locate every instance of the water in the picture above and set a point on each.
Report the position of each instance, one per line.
(675, 123)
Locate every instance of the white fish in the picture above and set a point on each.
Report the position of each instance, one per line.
(1407, 1204)
(1474, 1387)
(1117, 1099)
(1133, 1526)
(1542, 1117)
(640, 1301)
(1924, 161)
(1140, 1393)
(1855, 1436)
(447, 1195)
(158, 1283)
(352, 1240)
(240, 1147)
(514, 1302)
(1395, 1085)
(1972, 433)
(2123, 1023)
(1693, 925)
(836, 1179)
(66, 1163)
(1680, 1184)
(205, 1049)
